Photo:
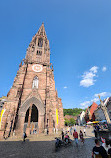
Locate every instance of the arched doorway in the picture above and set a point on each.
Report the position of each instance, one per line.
(33, 121)
(21, 124)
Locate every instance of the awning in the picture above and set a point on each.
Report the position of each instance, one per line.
(95, 122)
(103, 121)
(88, 123)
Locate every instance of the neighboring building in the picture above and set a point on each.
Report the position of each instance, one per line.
(32, 102)
(109, 107)
(99, 115)
(78, 120)
(82, 118)
(89, 116)
(70, 116)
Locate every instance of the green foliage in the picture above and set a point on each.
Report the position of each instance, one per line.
(70, 122)
(74, 111)
(3, 97)
(66, 122)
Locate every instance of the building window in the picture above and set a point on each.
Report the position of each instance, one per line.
(39, 52)
(40, 42)
(35, 82)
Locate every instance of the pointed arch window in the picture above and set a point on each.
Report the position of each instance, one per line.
(35, 82)
(39, 52)
(40, 42)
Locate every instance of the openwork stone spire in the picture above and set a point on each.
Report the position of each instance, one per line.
(39, 50)
(41, 30)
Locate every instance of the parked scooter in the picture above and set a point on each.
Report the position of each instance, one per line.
(67, 140)
(58, 143)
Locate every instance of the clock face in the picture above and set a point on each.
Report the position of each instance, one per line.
(37, 68)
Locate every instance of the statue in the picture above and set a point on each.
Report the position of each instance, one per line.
(25, 61)
(19, 91)
(20, 64)
(52, 68)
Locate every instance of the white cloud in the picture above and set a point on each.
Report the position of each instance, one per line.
(65, 87)
(104, 68)
(86, 82)
(103, 94)
(88, 77)
(94, 69)
(85, 104)
(95, 98)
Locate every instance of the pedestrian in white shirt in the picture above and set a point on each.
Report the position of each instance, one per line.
(84, 131)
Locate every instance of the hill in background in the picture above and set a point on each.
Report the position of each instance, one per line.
(70, 115)
(73, 112)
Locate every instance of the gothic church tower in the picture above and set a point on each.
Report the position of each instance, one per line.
(32, 102)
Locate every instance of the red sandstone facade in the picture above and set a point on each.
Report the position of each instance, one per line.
(33, 100)
(89, 116)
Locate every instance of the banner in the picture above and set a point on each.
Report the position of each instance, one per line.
(57, 115)
(1, 116)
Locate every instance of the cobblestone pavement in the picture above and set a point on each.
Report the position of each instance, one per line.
(43, 147)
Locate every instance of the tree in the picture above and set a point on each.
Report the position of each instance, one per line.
(72, 121)
(73, 112)
(66, 122)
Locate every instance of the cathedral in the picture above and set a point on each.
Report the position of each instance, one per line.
(32, 102)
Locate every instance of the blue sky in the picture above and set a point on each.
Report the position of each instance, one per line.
(79, 32)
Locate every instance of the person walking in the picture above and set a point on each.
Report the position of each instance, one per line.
(81, 137)
(54, 130)
(24, 136)
(75, 135)
(84, 132)
(95, 131)
(47, 130)
(99, 151)
(106, 145)
(70, 130)
(62, 136)
(109, 150)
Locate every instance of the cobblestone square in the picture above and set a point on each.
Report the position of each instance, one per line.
(42, 146)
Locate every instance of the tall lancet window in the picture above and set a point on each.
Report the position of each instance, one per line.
(35, 82)
(40, 42)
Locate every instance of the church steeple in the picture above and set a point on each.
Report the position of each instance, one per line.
(41, 31)
(39, 50)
